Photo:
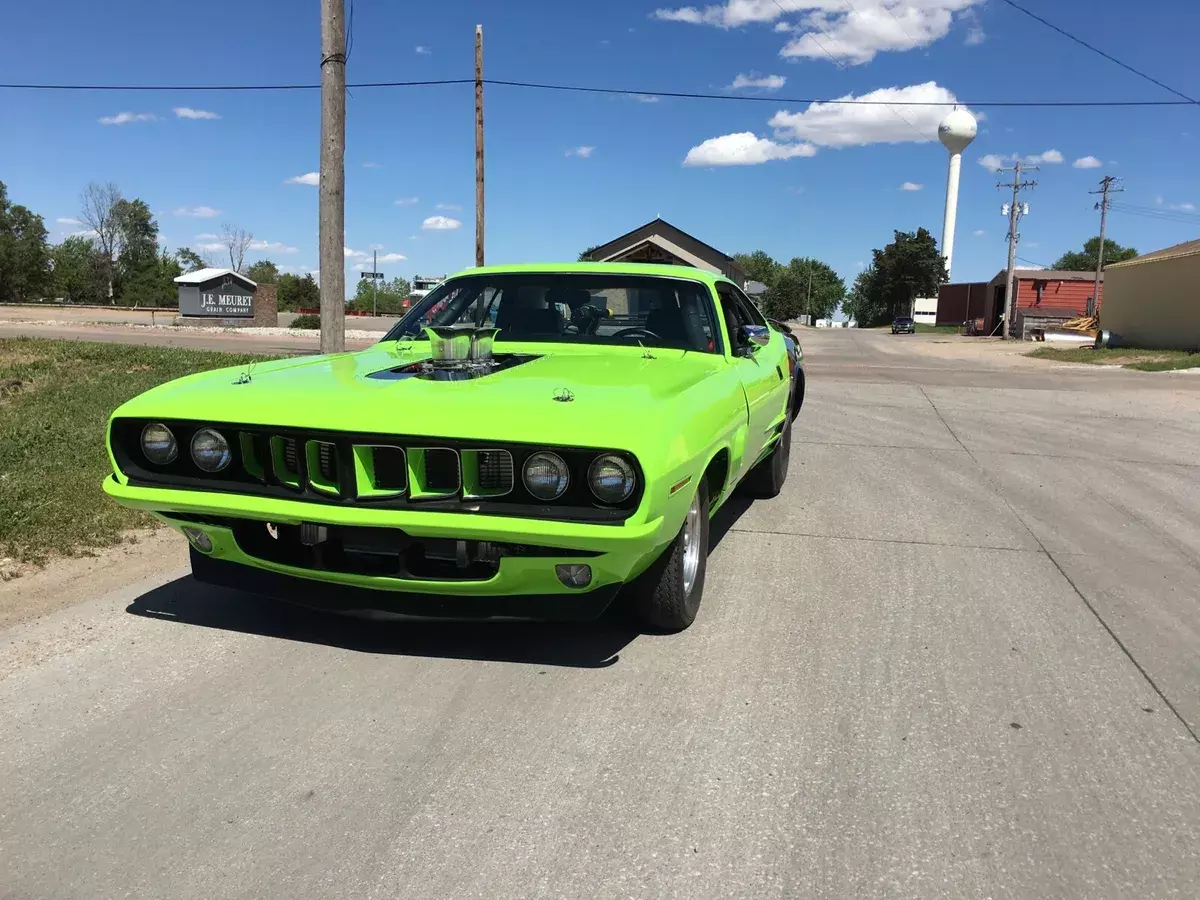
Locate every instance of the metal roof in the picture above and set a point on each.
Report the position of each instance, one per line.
(1045, 275)
(607, 268)
(1187, 248)
(202, 275)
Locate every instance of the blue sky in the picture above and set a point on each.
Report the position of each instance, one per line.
(825, 183)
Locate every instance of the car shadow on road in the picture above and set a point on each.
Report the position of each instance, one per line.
(593, 645)
(725, 518)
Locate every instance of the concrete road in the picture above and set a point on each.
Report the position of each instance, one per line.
(957, 658)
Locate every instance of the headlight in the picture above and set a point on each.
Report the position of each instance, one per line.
(611, 478)
(159, 444)
(210, 450)
(546, 476)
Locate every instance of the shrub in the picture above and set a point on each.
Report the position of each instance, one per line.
(307, 321)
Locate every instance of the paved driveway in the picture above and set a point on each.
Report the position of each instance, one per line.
(959, 657)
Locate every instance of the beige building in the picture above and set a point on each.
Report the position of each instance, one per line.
(661, 242)
(1153, 301)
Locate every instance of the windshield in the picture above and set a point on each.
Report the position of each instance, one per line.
(584, 308)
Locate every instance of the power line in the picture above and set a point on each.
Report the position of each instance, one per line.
(1031, 262)
(1133, 207)
(1107, 56)
(1177, 218)
(584, 89)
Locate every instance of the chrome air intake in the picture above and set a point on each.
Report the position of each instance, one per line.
(457, 346)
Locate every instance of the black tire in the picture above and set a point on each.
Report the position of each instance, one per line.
(766, 479)
(657, 596)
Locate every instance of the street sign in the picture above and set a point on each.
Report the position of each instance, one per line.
(371, 275)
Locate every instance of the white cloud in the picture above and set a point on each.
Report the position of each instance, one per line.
(84, 232)
(979, 232)
(408, 201)
(208, 236)
(1182, 207)
(994, 161)
(644, 98)
(197, 212)
(413, 237)
(883, 116)
(392, 258)
(354, 254)
(440, 223)
(583, 152)
(69, 221)
(124, 118)
(272, 246)
(912, 186)
(375, 247)
(1050, 156)
(1087, 162)
(975, 33)
(743, 148)
(450, 207)
(422, 50)
(372, 165)
(754, 80)
(186, 112)
(212, 247)
(313, 178)
(852, 32)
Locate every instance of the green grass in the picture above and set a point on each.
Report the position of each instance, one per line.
(1130, 358)
(937, 329)
(55, 399)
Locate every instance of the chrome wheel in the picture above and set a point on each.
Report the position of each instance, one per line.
(693, 533)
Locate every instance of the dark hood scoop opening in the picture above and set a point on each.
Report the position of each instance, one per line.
(457, 370)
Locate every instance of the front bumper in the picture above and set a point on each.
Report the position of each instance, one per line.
(577, 606)
(620, 551)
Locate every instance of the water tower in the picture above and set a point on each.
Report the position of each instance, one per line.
(956, 132)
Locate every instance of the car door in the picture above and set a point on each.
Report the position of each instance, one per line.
(761, 369)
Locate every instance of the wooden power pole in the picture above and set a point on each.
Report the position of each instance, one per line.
(1107, 186)
(332, 214)
(1014, 211)
(479, 145)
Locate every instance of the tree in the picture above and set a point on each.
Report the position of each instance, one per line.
(236, 241)
(907, 268)
(586, 255)
(298, 293)
(1073, 261)
(866, 303)
(785, 298)
(263, 272)
(24, 254)
(759, 266)
(143, 277)
(97, 208)
(79, 271)
(193, 261)
(389, 299)
(824, 289)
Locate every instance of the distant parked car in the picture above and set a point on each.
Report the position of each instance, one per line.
(903, 325)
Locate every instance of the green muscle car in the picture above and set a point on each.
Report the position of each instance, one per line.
(525, 442)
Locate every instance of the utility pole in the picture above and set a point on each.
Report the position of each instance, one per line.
(1106, 187)
(479, 145)
(332, 216)
(374, 282)
(1015, 211)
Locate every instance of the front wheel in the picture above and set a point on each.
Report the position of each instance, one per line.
(666, 597)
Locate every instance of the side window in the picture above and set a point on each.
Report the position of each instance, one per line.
(748, 308)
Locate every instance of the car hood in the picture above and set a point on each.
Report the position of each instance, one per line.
(585, 396)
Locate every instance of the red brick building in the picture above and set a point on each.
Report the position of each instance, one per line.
(1044, 297)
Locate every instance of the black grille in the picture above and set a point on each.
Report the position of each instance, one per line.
(320, 467)
(390, 471)
(327, 459)
(291, 455)
(441, 470)
(495, 470)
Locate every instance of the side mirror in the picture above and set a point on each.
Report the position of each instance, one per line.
(753, 336)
